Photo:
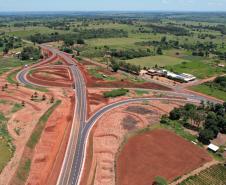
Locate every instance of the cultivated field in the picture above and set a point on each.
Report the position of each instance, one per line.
(157, 153)
(214, 175)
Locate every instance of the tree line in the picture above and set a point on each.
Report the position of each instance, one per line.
(10, 42)
(125, 66)
(30, 53)
(127, 54)
(208, 119)
(219, 27)
(83, 34)
(169, 29)
(203, 49)
(218, 83)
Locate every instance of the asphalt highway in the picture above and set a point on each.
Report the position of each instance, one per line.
(74, 159)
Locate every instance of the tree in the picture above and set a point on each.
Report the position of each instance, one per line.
(68, 42)
(115, 66)
(175, 114)
(164, 119)
(80, 41)
(67, 50)
(17, 85)
(52, 100)
(159, 51)
(35, 94)
(224, 104)
(23, 103)
(189, 107)
(202, 105)
(219, 109)
(163, 39)
(43, 97)
(221, 122)
(198, 117)
(160, 181)
(188, 112)
(205, 136)
(6, 50)
(30, 52)
(32, 97)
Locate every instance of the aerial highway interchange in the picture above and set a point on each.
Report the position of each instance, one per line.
(72, 166)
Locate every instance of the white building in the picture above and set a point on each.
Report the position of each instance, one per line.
(187, 77)
(213, 147)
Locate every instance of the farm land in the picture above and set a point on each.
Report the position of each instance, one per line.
(213, 175)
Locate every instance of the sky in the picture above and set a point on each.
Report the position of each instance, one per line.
(113, 5)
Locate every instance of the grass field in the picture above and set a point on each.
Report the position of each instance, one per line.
(9, 63)
(115, 93)
(160, 60)
(6, 154)
(95, 73)
(215, 175)
(141, 92)
(20, 32)
(16, 107)
(205, 89)
(11, 77)
(200, 68)
(176, 127)
(6, 146)
(24, 169)
(113, 42)
(109, 25)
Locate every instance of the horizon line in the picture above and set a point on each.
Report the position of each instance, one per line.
(123, 11)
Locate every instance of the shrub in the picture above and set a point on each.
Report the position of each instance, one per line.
(160, 181)
(67, 50)
(116, 93)
(175, 114)
(80, 41)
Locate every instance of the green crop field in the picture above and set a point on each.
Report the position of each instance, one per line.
(215, 175)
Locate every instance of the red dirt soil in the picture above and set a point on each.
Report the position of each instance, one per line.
(108, 133)
(52, 76)
(157, 153)
(51, 146)
(25, 119)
